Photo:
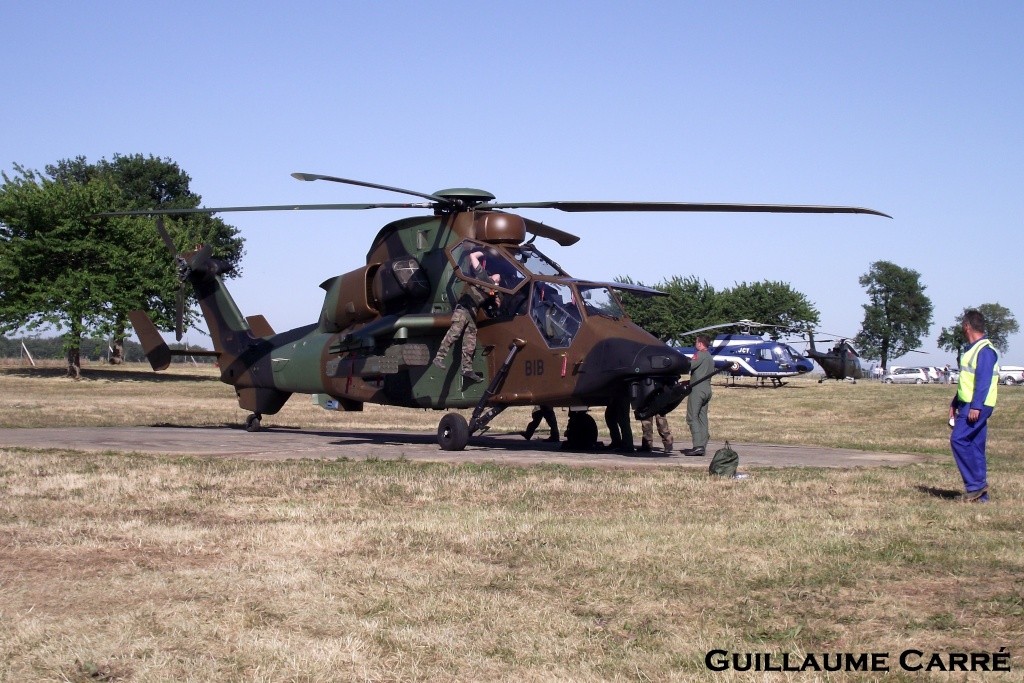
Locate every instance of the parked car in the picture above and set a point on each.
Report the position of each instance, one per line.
(934, 374)
(907, 376)
(1011, 374)
(954, 375)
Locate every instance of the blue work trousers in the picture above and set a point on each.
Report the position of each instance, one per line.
(968, 444)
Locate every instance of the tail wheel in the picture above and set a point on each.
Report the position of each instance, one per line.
(252, 423)
(452, 432)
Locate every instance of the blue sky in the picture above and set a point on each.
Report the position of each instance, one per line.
(911, 108)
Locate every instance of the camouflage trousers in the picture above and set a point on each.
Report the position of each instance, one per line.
(664, 431)
(464, 325)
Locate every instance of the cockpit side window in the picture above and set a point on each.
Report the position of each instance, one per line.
(554, 311)
(600, 301)
(534, 261)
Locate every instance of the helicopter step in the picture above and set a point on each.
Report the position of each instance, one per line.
(453, 431)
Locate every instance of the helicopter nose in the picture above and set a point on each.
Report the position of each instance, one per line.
(625, 358)
(662, 360)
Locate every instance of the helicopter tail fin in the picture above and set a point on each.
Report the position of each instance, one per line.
(230, 331)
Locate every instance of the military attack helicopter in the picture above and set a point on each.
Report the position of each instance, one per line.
(841, 362)
(547, 337)
(745, 354)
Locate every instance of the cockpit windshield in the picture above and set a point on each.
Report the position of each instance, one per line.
(534, 261)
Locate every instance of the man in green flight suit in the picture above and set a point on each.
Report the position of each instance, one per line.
(701, 366)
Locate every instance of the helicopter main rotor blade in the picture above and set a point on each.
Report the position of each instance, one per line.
(277, 207)
(739, 323)
(574, 206)
(362, 183)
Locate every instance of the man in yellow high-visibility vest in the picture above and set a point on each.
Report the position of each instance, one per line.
(976, 393)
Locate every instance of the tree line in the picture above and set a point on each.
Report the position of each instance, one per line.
(97, 350)
(897, 316)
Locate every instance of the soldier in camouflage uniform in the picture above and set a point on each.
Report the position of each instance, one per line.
(464, 319)
(664, 431)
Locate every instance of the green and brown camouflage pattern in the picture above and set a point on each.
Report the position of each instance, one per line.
(382, 323)
(543, 337)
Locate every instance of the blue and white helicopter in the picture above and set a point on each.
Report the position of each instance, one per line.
(769, 360)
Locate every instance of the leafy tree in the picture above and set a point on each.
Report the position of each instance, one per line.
(148, 182)
(772, 303)
(689, 305)
(898, 312)
(61, 267)
(999, 325)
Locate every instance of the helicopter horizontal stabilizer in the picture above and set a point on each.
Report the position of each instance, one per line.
(153, 345)
(157, 352)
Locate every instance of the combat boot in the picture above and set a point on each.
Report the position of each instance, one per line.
(668, 447)
(645, 446)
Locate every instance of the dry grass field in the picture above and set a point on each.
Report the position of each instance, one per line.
(127, 567)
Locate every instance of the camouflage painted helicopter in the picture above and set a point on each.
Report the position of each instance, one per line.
(841, 362)
(553, 339)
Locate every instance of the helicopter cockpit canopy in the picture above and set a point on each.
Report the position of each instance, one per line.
(554, 311)
(599, 300)
(534, 261)
(487, 266)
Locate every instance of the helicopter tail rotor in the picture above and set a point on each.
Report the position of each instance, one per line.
(194, 266)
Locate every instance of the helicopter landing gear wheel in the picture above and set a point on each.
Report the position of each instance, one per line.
(581, 432)
(452, 432)
(252, 423)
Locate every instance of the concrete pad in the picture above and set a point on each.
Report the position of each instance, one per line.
(512, 449)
